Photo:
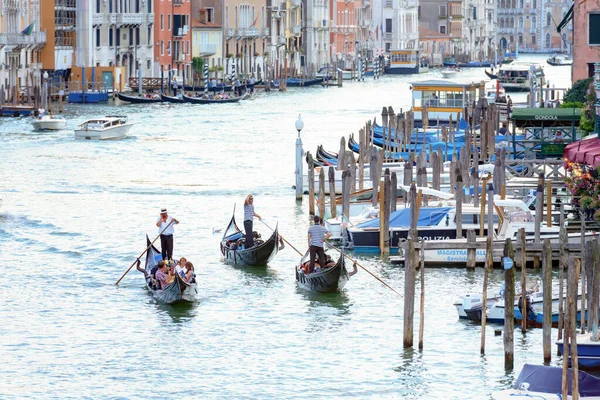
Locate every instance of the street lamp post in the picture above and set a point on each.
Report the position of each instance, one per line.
(299, 154)
(45, 90)
(597, 103)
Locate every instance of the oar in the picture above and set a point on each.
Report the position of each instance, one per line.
(369, 272)
(144, 252)
(282, 238)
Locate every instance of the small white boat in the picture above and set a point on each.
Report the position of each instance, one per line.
(49, 122)
(560, 60)
(449, 73)
(109, 127)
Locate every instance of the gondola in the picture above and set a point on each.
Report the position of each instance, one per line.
(219, 88)
(138, 99)
(490, 75)
(171, 99)
(199, 100)
(178, 291)
(260, 254)
(327, 280)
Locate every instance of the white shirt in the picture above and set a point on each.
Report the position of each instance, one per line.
(170, 230)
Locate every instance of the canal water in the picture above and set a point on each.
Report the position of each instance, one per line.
(75, 215)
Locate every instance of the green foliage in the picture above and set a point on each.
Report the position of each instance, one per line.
(198, 65)
(578, 91)
(586, 202)
(586, 124)
(597, 216)
(572, 104)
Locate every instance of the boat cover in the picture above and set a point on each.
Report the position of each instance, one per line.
(428, 216)
(548, 380)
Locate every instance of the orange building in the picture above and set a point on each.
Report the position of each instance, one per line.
(57, 19)
(586, 38)
(343, 30)
(173, 35)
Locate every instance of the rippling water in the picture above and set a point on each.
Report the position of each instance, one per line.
(74, 218)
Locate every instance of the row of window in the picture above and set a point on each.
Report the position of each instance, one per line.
(245, 17)
(124, 6)
(114, 36)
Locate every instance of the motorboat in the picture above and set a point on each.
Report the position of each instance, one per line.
(588, 350)
(560, 60)
(109, 127)
(449, 73)
(424, 65)
(492, 92)
(543, 382)
(521, 77)
(49, 122)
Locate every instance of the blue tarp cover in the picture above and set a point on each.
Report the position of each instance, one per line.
(428, 216)
(548, 380)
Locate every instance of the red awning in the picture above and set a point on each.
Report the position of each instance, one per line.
(585, 151)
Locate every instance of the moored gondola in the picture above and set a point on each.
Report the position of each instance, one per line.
(139, 99)
(232, 247)
(490, 75)
(199, 100)
(177, 291)
(171, 99)
(332, 278)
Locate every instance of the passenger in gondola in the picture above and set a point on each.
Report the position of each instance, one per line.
(317, 234)
(179, 267)
(190, 275)
(163, 276)
(249, 215)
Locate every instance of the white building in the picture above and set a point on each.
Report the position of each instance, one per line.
(401, 35)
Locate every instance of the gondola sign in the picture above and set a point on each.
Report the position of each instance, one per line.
(508, 262)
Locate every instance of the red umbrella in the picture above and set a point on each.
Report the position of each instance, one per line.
(578, 151)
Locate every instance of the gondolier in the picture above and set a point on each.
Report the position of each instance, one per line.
(317, 234)
(167, 224)
(249, 215)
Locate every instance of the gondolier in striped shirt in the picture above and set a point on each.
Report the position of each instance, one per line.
(317, 234)
(166, 237)
(249, 215)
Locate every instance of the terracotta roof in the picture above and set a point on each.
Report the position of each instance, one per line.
(430, 34)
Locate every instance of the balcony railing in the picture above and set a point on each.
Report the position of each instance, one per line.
(18, 39)
(177, 2)
(365, 23)
(265, 32)
(387, 36)
(247, 33)
(207, 49)
(228, 33)
(389, 3)
(150, 18)
(130, 19)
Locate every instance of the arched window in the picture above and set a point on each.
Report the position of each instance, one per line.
(226, 16)
(548, 19)
(512, 23)
(533, 22)
(520, 22)
(547, 40)
(501, 23)
(533, 39)
(521, 4)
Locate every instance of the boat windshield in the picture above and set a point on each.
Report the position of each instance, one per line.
(520, 216)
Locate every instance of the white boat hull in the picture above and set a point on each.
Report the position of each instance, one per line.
(49, 124)
(116, 132)
(449, 74)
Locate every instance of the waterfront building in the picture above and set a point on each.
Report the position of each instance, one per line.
(21, 42)
(586, 37)
(364, 39)
(207, 36)
(57, 21)
(277, 33)
(401, 36)
(434, 45)
(172, 38)
(477, 16)
(343, 32)
(246, 33)
(531, 25)
(316, 38)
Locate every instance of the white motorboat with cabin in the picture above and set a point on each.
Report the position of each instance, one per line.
(558, 60)
(403, 61)
(516, 77)
(49, 122)
(449, 72)
(443, 99)
(109, 127)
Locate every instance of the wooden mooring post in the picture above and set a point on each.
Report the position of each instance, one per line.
(547, 307)
(422, 297)
(410, 267)
(523, 265)
(539, 211)
(384, 214)
(471, 252)
(345, 202)
(311, 184)
(322, 193)
(332, 198)
(489, 264)
(509, 312)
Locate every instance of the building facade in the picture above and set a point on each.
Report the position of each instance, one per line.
(246, 34)
(586, 38)
(207, 36)
(344, 26)
(172, 39)
(57, 20)
(20, 53)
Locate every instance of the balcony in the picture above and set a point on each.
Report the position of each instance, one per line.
(130, 19)
(208, 49)
(246, 33)
(297, 30)
(506, 30)
(112, 19)
(228, 33)
(295, 3)
(321, 24)
(20, 40)
(150, 18)
(387, 36)
(97, 19)
(265, 32)
(177, 2)
(365, 23)
(182, 31)
(366, 3)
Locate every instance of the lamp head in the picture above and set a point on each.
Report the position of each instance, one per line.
(299, 124)
(45, 74)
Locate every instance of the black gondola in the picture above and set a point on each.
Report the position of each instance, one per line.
(219, 88)
(329, 279)
(234, 252)
(178, 290)
(490, 75)
(138, 99)
(171, 99)
(199, 100)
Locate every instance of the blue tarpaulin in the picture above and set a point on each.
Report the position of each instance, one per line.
(428, 216)
(549, 380)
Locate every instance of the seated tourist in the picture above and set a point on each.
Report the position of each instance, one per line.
(180, 267)
(190, 276)
(162, 275)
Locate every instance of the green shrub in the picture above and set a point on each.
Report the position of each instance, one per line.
(578, 91)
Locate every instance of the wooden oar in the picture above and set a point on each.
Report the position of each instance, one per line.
(369, 272)
(144, 252)
(282, 238)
